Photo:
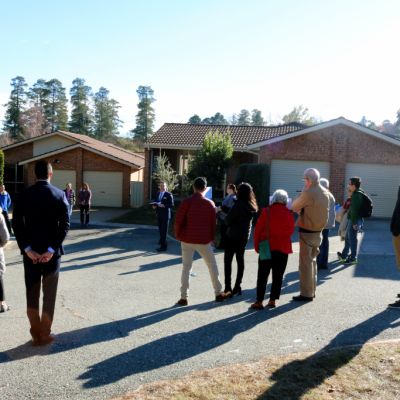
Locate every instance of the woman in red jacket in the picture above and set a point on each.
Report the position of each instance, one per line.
(277, 223)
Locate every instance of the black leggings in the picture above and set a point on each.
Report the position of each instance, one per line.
(277, 263)
(84, 214)
(2, 295)
(232, 248)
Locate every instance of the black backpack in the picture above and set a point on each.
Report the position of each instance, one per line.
(366, 206)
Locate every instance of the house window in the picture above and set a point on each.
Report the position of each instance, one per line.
(14, 178)
(183, 163)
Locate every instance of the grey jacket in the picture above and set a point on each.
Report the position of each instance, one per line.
(331, 215)
(4, 238)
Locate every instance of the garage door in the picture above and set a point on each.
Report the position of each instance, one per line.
(381, 182)
(288, 174)
(106, 188)
(62, 177)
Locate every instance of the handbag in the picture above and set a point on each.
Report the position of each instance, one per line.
(264, 249)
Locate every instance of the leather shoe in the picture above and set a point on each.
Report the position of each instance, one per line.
(47, 339)
(221, 297)
(182, 302)
(302, 298)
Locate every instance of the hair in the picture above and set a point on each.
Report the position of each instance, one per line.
(312, 174)
(356, 181)
(43, 169)
(200, 183)
(245, 193)
(280, 196)
(87, 186)
(232, 187)
(324, 183)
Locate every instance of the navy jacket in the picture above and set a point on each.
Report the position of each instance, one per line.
(40, 218)
(168, 201)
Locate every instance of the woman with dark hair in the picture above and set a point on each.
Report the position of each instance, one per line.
(84, 200)
(238, 223)
(223, 210)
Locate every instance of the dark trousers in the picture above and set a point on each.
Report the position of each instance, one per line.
(163, 229)
(84, 214)
(37, 276)
(322, 258)
(277, 263)
(2, 295)
(232, 248)
(223, 238)
(7, 220)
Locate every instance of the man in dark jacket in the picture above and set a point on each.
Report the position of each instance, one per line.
(41, 223)
(163, 204)
(395, 230)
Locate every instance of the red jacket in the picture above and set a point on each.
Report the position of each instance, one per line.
(195, 220)
(281, 228)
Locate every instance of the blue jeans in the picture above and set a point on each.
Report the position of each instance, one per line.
(322, 258)
(351, 240)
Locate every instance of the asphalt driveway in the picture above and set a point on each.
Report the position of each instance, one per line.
(117, 326)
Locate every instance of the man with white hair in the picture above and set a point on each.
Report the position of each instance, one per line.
(312, 206)
(322, 259)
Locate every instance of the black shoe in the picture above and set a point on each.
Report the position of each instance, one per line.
(161, 249)
(340, 256)
(398, 296)
(237, 290)
(395, 305)
(350, 261)
(302, 298)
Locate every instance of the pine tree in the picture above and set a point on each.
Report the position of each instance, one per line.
(243, 118)
(14, 108)
(56, 109)
(35, 122)
(106, 120)
(256, 118)
(81, 116)
(146, 115)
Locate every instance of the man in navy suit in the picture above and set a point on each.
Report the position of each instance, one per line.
(41, 223)
(163, 204)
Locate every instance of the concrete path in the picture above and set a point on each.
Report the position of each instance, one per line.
(117, 327)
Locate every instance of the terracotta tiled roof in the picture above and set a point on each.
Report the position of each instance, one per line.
(192, 135)
(107, 148)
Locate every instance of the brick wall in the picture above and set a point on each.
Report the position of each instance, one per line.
(337, 145)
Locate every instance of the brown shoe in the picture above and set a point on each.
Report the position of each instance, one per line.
(182, 302)
(271, 304)
(47, 339)
(221, 297)
(257, 306)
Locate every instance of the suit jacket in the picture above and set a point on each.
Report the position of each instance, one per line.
(40, 218)
(168, 201)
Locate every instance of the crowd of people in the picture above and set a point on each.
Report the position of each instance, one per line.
(40, 240)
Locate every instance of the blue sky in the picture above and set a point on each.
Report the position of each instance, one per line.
(338, 58)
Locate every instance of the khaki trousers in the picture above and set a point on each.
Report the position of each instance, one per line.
(396, 246)
(206, 252)
(309, 249)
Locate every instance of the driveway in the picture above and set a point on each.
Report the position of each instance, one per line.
(117, 327)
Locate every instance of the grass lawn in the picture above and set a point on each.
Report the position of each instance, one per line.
(364, 373)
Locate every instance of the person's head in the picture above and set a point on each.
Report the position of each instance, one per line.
(231, 188)
(43, 170)
(324, 183)
(2, 188)
(85, 186)
(311, 177)
(354, 184)
(280, 196)
(162, 186)
(245, 193)
(69, 186)
(200, 184)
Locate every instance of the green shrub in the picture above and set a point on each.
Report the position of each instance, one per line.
(258, 177)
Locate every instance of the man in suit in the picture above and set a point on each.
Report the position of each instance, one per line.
(163, 204)
(41, 223)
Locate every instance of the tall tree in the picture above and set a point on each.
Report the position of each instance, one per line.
(243, 118)
(81, 115)
(56, 109)
(14, 109)
(218, 119)
(256, 118)
(234, 119)
(35, 120)
(194, 119)
(106, 120)
(299, 114)
(146, 115)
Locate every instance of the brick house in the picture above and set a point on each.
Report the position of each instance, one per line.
(338, 148)
(108, 169)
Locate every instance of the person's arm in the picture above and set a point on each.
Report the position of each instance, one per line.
(231, 216)
(63, 225)
(260, 230)
(8, 202)
(301, 202)
(4, 235)
(355, 205)
(180, 219)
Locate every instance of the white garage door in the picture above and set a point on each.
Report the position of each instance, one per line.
(106, 188)
(62, 177)
(381, 182)
(288, 174)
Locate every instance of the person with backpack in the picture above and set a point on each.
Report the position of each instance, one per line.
(360, 208)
